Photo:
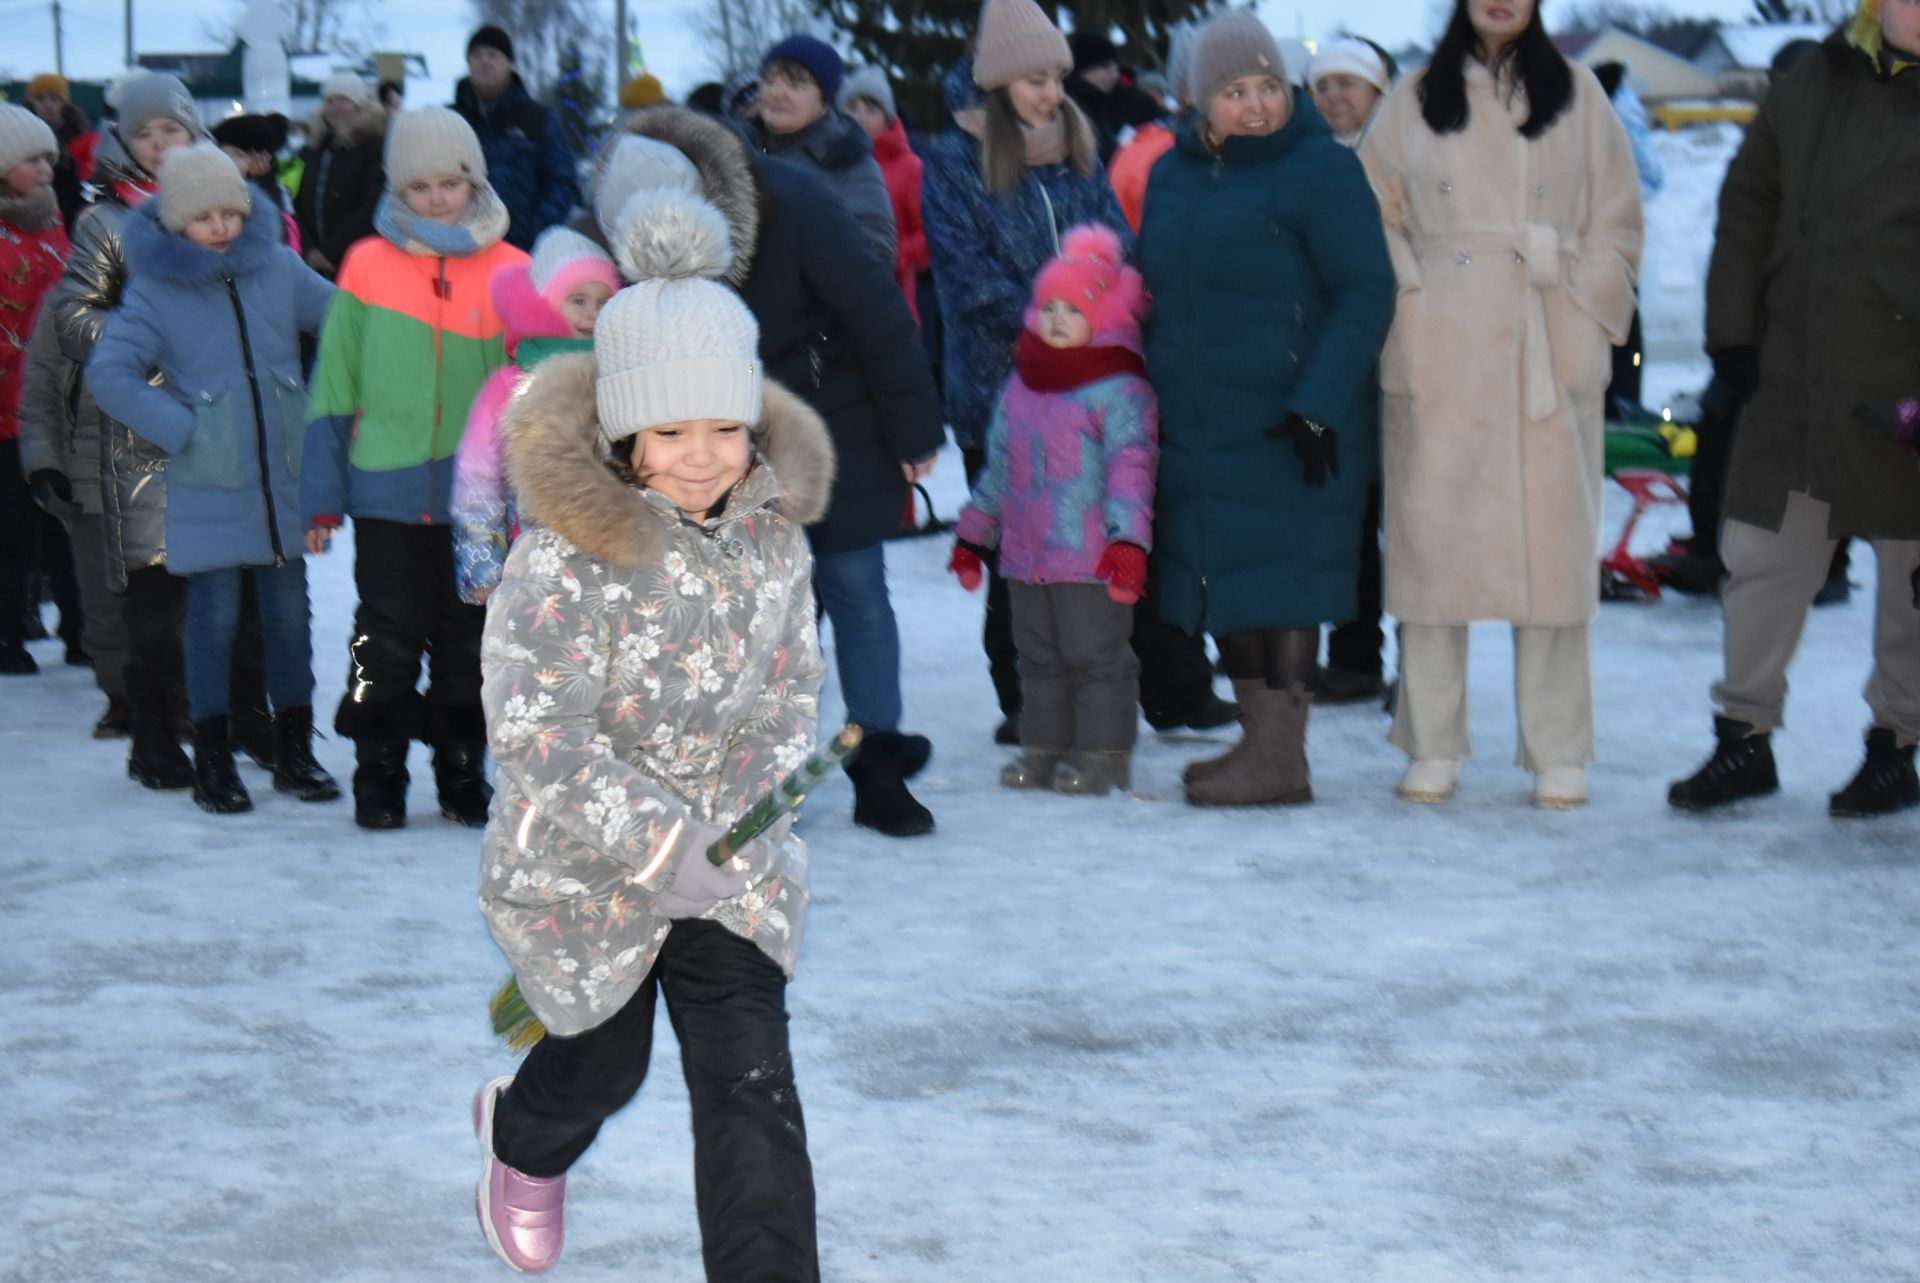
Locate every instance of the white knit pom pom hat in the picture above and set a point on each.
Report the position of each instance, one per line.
(675, 345)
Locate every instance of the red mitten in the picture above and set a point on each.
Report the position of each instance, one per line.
(1124, 567)
(966, 566)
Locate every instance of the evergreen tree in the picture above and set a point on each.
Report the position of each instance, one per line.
(576, 96)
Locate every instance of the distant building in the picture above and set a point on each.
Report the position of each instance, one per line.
(1738, 57)
(217, 79)
(1658, 76)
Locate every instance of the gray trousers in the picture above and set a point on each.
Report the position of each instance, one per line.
(106, 632)
(1552, 694)
(1772, 581)
(1079, 679)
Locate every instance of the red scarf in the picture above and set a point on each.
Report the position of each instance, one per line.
(133, 195)
(1055, 369)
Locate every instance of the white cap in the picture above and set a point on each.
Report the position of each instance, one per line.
(1349, 57)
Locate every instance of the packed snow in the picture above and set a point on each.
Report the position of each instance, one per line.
(1077, 1040)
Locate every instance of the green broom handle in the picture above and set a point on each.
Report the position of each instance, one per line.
(786, 796)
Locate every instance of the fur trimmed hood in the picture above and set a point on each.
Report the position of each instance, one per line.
(526, 313)
(169, 256)
(556, 458)
(369, 124)
(726, 171)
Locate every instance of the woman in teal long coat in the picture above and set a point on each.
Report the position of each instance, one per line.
(1262, 246)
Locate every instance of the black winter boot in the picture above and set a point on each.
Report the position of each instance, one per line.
(253, 732)
(1886, 782)
(155, 760)
(216, 783)
(1741, 767)
(459, 739)
(117, 722)
(16, 660)
(880, 771)
(1208, 713)
(295, 769)
(1345, 686)
(380, 781)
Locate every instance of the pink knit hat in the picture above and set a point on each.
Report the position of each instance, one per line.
(1091, 274)
(1016, 40)
(563, 259)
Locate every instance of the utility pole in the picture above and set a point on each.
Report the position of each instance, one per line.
(620, 47)
(59, 46)
(127, 24)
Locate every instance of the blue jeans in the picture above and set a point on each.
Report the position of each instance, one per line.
(213, 617)
(852, 588)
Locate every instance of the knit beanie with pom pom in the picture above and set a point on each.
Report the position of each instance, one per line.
(677, 344)
(564, 259)
(1092, 275)
(632, 164)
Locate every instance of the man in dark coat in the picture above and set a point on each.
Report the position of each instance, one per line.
(1813, 308)
(527, 158)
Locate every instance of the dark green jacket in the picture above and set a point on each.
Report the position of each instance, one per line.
(1272, 294)
(1816, 260)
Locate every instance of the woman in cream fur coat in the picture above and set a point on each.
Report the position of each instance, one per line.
(1513, 215)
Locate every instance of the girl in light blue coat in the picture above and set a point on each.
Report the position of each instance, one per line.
(217, 304)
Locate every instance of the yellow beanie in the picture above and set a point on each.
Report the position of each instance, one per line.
(49, 82)
(642, 91)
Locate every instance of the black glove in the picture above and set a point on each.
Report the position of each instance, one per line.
(48, 485)
(1739, 369)
(1317, 447)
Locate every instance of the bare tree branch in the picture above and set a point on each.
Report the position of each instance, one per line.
(735, 34)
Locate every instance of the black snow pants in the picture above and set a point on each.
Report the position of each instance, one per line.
(753, 1182)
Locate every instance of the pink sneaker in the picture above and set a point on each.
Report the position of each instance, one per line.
(524, 1217)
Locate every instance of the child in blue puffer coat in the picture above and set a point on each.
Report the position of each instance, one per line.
(218, 305)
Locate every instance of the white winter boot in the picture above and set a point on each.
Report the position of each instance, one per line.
(1560, 788)
(1429, 780)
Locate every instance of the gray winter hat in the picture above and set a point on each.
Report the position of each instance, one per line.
(633, 164)
(196, 179)
(152, 96)
(1233, 44)
(432, 142)
(23, 135)
(676, 345)
(868, 82)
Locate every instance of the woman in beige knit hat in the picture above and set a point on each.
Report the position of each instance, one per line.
(999, 191)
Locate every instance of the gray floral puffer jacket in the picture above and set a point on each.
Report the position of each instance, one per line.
(641, 670)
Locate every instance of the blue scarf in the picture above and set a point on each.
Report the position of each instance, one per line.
(482, 227)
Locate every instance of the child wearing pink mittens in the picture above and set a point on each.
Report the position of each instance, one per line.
(1067, 498)
(550, 305)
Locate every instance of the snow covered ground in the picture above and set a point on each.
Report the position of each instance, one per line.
(1081, 1041)
(1061, 1039)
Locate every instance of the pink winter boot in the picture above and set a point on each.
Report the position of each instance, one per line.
(524, 1217)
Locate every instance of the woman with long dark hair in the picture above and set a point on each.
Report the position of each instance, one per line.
(1513, 214)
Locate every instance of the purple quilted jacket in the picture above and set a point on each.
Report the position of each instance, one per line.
(1067, 474)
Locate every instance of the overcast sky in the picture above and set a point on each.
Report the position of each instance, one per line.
(438, 29)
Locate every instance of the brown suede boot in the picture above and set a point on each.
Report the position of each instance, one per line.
(1272, 763)
(1206, 766)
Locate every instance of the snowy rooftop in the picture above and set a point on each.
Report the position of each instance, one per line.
(1755, 46)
